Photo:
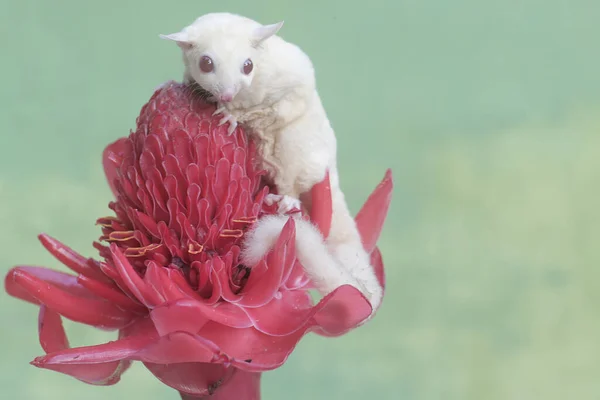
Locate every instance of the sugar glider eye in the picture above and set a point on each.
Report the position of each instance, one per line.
(248, 66)
(206, 64)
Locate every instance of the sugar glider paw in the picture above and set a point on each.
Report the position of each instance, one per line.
(286, 203)
(227, 117)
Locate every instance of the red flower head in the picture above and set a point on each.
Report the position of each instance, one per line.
(170, 280)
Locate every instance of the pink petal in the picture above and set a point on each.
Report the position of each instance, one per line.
(172, 317)
(246, 348)
(100, 353)
(111, 161)
(132, 280)
(219, 344)
(71, 259)
(321, 208)
(54, 339)
(135, 337)
(253, 350)
(337, 313)
(162, 281)
(174, 348)
(61, 280)
(298, 278)
(51, 332)
(180, 284)
(111, 294)
(103, 374)
(341, 311)
(223, 272)
(140, 342)
(198, 379)
(377, 263)
(371, 216)
(155, 281)
(190, 316)
(284, 314)
(267, 277)
(180, 347)
(249, 349)
(62, 299)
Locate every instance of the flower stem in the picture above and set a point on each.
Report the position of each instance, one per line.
(242, 385)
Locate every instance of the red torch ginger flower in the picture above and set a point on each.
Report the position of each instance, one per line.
(170, 281)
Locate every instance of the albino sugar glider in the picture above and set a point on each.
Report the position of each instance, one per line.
(268, 85)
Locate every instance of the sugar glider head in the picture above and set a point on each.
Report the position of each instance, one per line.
(220, 52)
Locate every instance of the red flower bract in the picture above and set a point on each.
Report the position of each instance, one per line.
(170, 280)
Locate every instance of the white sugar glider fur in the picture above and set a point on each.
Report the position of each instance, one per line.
(310, 250)
(278, 104)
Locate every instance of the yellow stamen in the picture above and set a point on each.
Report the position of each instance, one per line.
(195, 248)
(234, 233)
(107, 221)
(245, 220)
(141, 251)
(120, 236)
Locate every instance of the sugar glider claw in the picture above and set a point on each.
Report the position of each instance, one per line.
(286, 203)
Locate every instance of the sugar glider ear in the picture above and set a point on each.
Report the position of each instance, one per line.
(264, 32)
(181, 38)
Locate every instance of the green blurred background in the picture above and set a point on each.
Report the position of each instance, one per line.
(487, 112)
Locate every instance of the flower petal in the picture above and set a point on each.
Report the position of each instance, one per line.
(65, 298)
(173, 317)
(179, 283)
(298, 278)
(249, 349)
(132, 280)
(111, 161)
(377, 263)
(321, 208)
(341, 311)
(53, 339)
(176, 347)
(61, 280)
(371, 216)
(190, 316)
(268, 275)
(284, 314)
(253, 350)
(180, 347)
(338, 312)
(71, 259)
(133, 338)
(155, 281)
(162, 281)
(111, 294)
(51, 332)
(102, 374)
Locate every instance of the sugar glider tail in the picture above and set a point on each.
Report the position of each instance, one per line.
(324, 265)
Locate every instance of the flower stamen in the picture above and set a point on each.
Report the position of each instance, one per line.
(140, 251)
(231, 233)
(245, 220)
(106, 222)
(120, 236)
(195, 247)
